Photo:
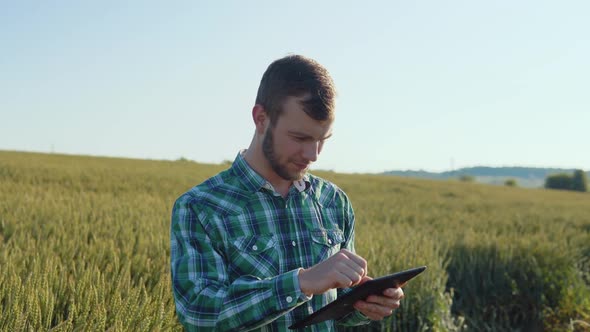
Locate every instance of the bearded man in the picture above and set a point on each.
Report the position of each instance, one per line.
(264, 243)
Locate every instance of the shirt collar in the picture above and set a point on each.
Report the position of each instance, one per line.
(254, 181)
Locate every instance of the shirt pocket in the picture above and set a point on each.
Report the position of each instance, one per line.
(254, 255)
(327, 242)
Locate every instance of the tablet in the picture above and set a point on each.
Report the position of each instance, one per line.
(343, 305)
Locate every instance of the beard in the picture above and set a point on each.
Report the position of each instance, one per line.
(273, 158)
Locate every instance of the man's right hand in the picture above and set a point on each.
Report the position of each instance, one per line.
(343, 269)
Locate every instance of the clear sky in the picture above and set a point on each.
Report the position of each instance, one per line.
(428, 85)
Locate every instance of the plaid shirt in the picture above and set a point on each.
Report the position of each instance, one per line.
(237, 247)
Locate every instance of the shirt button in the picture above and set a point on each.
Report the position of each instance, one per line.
(294, 244)
(254, 247)
(330, 241)
(289, 299)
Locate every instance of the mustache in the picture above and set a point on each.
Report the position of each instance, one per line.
(302, 162)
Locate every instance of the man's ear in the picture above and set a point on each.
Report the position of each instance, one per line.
(260, 118)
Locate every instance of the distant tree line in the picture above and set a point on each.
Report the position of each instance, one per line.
(564, 181)
(511, 183)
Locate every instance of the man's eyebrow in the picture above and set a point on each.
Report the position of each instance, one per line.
(304, 135)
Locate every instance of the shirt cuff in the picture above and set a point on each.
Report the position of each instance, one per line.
(355, 318)
(288, 291)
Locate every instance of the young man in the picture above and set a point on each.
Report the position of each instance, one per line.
(264, 244)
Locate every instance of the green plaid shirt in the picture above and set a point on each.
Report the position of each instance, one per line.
(237, 246)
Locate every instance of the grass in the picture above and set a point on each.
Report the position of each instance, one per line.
(85, 246)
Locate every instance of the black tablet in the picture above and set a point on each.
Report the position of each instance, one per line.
(343, 305)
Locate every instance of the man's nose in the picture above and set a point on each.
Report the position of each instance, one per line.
(311, 151)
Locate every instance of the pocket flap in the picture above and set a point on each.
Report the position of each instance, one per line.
(327, 237)
(255, 243)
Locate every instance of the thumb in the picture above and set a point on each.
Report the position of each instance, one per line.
(365, 279)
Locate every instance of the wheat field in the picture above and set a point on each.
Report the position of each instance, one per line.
(84, 246)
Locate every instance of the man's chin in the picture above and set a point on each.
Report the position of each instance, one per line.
(295, 175)
(291, 172)
(300, 176)
(299, 173)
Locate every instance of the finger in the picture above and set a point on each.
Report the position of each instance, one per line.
(373, 311)
(365, 279)
(358, 260)
(372, 316)
(351, 275)
(383, 301)
(379, 311)
(340, 280)
(395, 293)
(352, 265)
(342, 262)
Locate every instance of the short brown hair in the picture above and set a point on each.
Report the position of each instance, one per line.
(297, 76)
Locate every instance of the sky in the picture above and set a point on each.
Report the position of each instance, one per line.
(432, 85)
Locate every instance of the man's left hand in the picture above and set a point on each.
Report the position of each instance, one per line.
(377, 307)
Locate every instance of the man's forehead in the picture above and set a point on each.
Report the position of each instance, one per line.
(297, 121)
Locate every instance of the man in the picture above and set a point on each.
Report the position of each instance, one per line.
(264, 244)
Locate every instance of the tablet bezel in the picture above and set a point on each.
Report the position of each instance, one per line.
(343, 305)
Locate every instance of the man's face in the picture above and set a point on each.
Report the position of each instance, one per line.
(295, 141)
